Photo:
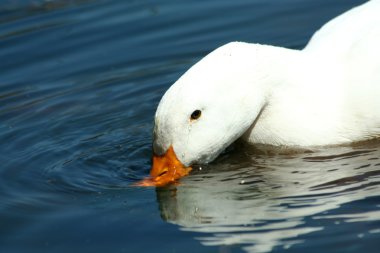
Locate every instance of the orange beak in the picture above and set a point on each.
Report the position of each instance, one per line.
(166, 169)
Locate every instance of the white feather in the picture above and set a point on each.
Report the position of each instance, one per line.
(325, 94)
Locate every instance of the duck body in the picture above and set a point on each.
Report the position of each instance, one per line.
(329, 90)
(326, 94)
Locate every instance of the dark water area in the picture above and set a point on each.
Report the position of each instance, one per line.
(79, 85)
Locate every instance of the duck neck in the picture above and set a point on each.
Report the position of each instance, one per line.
(302, 91)
(280, 68)
(284, 76)
(269, 71)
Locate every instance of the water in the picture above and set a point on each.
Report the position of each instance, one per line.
(80, 81)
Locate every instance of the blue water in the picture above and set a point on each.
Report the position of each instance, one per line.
(79, 85)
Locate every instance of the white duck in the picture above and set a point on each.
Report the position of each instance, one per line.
(328, 93)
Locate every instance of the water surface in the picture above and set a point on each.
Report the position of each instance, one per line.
(80, 81)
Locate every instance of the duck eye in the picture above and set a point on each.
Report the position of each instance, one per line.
(196, 115)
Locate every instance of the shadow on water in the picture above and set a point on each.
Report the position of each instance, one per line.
(263, 201)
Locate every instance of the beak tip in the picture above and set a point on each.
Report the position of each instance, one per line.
(166, 169)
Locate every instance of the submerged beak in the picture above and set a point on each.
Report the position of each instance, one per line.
(166, 169)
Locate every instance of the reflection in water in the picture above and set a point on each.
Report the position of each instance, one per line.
(264, 200)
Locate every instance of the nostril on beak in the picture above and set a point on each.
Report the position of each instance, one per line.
(163, 173)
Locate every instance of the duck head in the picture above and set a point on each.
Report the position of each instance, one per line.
(207, 109)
